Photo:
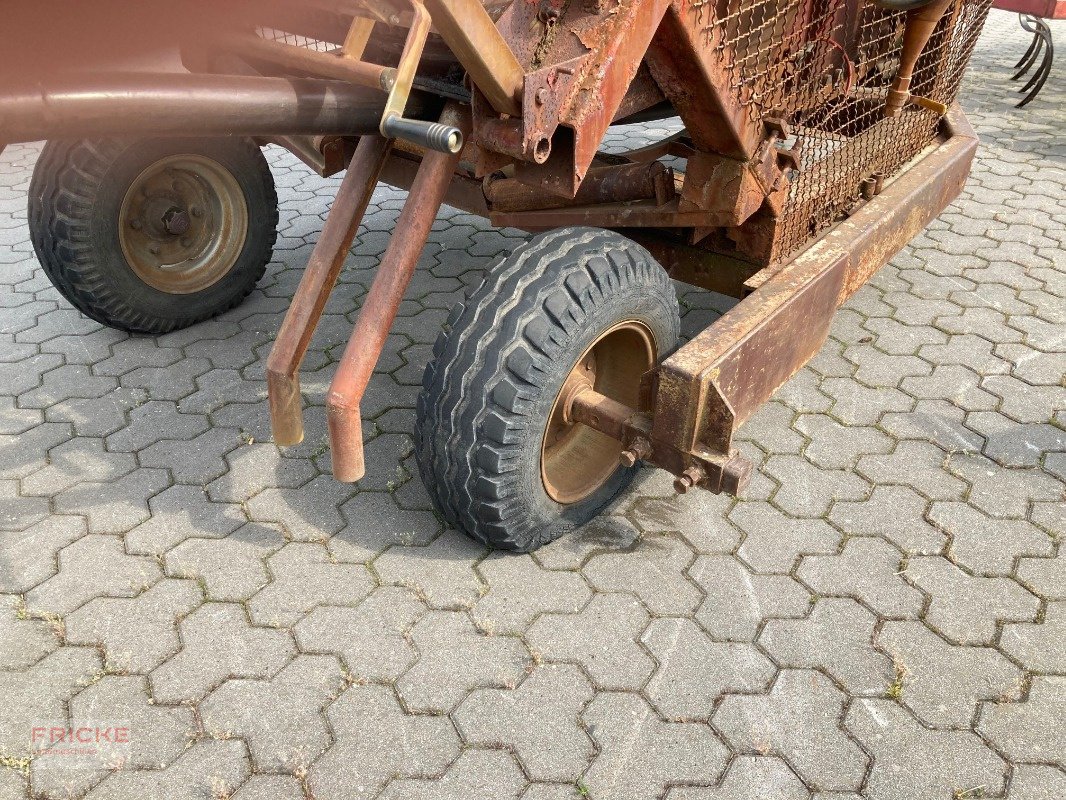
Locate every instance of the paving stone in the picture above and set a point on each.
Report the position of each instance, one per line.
(475, 775)
(867, 569)
(919, 465)
(75, 461)
(1045, 577)
(749, 778)
(29, 557)
(303, 577)
(254, 467)
(375, 741)
(1012, 445)
(24, 640)
(799, 721)
(207, 769)
(807, 490)
(40, 692)
(693, 671)
(18, 513)
(942, 683)
(441, 572)
(738, 601)
(280, 718)
(1040, 646)
(602, 638)
(773, 542)
(985, 545)
(455, 658)
(377, 522)
(139, 633)
(538, 721)
(90, 567)
(1035, 782)
(113, 506)
(1005, 493)
(370, 638)
(232, 568)
(640, 755)
(653, 571)
(180, 513)
(895, 513)
(910, 761)
(835, 638)
(270, 787)
(519, 590)
(965, 608)
(836, 446)
(218, 643)
(698, 516)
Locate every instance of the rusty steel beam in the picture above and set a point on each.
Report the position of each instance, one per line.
(186, 104)
(327, 260)
(712, 385)
(470, 33)
(383, 300)
(609, 184)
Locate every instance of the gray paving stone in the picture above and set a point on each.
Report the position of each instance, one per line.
(139, 633)
(640, 755)
(693, 671)
(807, 490)
(773, 542)
(442, 572)
(519, 590)
(24, 640)
(867, 569)
(737, 601)
(1040, 646)
(911, 761)
(29, 557)
(40, 693)
(180, 513)
(231, 568)
(653, 571)
(370, 638)
(698, 516)
(475, 775)
(376, 521)
(919, 465)
(895, 513)
(280, 718)
(965, 608)
(1034, 782)
(835, 638)
(375, 741)
(207, 769)
(799, 721)
(455, 658)
(303, 576)
(986, 545)
(942, 683)
(218, 643)
(93, 566)
(270, 787)
(602, 638)
(1045, 577)
(538, 721)
(749, 778)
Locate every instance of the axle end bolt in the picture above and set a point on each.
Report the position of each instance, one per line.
(640, 448)
(176, 221)
(687, 479)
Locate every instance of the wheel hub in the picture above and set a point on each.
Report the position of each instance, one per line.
(183, 223)
(576, 460)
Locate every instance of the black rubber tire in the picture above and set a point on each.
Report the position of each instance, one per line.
(499, 365)
(74, 200)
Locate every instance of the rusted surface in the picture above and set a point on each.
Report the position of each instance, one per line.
(382, 301)
(327, 260)
(609, 184)
(713, 384)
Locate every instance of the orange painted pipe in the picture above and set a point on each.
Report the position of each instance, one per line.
(383, 301)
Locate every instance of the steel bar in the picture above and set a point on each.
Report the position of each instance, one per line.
(382, 302)
(611, 184)
(327, 259)
(186, 104)
(470, 33)
(336, 65)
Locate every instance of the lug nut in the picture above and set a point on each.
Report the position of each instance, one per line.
(638, 449)
(687, 479)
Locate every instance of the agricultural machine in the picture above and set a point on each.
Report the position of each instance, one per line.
(818, 137)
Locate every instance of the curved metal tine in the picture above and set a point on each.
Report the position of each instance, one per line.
(1041, 75)
(1032, 44)
(1034, 49)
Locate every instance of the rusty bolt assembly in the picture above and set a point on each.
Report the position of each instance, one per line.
(689, 478)
(176, 221)
(640, 448)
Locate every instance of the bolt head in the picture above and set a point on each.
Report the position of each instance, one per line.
(176, 221)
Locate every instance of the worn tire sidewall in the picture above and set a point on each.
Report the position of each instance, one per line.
(104, 226)
(638, 303)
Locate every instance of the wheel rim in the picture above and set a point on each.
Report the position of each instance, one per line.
(183, 223)
(576, 460)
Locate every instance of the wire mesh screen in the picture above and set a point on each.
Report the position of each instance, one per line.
(826, 67)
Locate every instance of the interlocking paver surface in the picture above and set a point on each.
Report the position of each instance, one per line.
(881, 617)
